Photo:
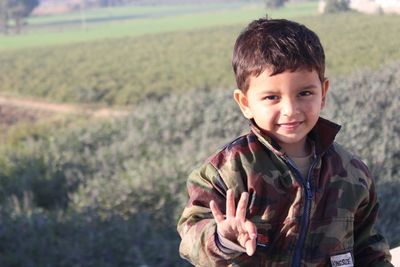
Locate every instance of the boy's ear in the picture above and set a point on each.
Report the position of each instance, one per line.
(242, 101)
(325, 88)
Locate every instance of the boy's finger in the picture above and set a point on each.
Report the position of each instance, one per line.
(216, 212)
(242, 207)
(251, 243)
(250, 247)
(230, 204)
(251, 229)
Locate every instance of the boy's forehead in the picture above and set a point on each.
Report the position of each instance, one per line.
(271, 71)
(294, 78)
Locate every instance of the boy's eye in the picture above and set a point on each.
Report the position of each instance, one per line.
(271, 97)
(305, 93)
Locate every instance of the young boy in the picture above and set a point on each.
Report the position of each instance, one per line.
(285, 194)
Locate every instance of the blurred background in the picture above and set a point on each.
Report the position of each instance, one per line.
(107, 105)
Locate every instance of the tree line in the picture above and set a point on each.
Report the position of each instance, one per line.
(16, 11)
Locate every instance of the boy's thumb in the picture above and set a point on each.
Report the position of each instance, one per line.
(250, 246)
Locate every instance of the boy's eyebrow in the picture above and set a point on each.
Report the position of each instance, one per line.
(276, 91)
(311, 86)
(268, 91)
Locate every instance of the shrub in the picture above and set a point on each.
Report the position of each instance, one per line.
(273, 4)
(119, 186)
(335, 6)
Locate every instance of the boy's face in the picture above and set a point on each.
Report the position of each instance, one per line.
(286, 105)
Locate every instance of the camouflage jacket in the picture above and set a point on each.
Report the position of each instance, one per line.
(324, 219)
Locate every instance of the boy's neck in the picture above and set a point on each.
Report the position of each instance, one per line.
(298, 150)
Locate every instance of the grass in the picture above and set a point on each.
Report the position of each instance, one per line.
(138, 27)
(124, 71)
(354, 41)
(115, 12)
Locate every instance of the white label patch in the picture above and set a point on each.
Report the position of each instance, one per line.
(342, 260)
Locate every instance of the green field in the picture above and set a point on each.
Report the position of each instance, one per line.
(124, 71)
(230, 15)
(135, 10)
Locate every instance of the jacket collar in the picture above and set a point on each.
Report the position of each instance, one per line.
(322, 135)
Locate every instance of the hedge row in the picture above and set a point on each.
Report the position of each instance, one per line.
(110, 193)
(128, 70)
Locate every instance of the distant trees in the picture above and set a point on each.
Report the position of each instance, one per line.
(274, 4)
(110, 2)
(15, 10)
(335, 6)
(3, 16)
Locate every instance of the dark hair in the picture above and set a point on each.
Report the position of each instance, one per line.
(279, 45)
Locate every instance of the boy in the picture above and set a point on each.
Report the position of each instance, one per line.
(284, 194)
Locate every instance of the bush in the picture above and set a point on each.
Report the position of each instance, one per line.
(335, 6)
(118, 187)
(274, 4)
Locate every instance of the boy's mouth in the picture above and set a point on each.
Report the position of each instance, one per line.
(289, 125)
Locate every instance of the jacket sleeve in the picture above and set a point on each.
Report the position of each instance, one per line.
(196, 226)
(370, 248)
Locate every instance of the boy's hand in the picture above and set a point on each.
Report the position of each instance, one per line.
(234, 226)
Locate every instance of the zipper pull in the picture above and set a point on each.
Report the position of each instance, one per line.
(309, 191)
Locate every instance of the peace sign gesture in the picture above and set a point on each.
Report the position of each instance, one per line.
(234, 226)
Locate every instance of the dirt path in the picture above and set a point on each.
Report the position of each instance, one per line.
(61, 108)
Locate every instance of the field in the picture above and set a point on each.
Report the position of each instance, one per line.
(128, 12)
(124, 71)
(148, 22)
(78, 189)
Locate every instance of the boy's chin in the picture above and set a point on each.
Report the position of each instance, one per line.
(285, 141)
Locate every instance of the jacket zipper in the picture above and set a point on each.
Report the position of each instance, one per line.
(305, 220)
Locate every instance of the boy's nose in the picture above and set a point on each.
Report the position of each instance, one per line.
(289, 108)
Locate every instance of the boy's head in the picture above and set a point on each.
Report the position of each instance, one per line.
(279, 68)
(279, 45)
